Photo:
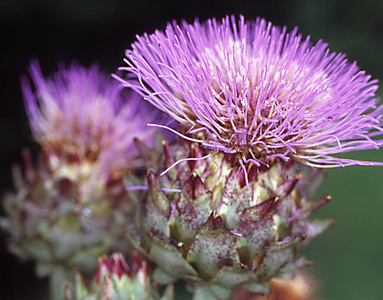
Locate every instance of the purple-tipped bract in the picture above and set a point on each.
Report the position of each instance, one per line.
(81, 114)
(257, 91)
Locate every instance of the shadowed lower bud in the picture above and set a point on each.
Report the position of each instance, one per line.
(117, 280)
(206, 224)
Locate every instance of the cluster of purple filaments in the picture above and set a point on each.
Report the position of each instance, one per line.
(257, 91)
(82, 112)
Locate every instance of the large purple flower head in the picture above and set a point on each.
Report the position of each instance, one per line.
(257, 91)
(81, 115)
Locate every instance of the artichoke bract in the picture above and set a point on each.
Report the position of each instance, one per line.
(202, 222)
(118, 280)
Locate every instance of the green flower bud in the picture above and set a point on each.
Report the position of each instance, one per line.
(116, 280)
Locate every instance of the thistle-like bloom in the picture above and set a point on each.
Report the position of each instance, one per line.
(258, 92)
(72, 207)
(80, 114)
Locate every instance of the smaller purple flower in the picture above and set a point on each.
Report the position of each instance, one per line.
(82, 116)
(257, 92)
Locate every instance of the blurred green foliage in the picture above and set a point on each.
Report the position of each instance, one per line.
(348, 258)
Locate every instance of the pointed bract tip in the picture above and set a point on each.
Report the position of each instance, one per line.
(77, 272)
(152, 179)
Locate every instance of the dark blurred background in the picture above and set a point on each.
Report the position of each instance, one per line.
(348, 258)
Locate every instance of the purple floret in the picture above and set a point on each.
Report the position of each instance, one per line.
(257, 91)
(83, 114)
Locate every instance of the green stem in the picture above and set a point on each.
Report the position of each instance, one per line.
(59, 278)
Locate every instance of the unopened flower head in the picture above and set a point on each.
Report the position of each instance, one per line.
(257, 91)
(116, 279)
(116, 265)
(81, 115)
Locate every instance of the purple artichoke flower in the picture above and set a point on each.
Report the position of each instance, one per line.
(81, 115)
(71, 206)
(257, 92)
